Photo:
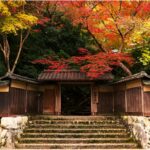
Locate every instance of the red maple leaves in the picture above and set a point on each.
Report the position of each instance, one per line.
(93, 65)
(83, 51)
(109, 24)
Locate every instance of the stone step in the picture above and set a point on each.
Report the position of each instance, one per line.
(72, 130)
(76, 125)
(75, 140)
(75, 132)
(78, 146)
(49, 117)
(74, 121)
(74, 135)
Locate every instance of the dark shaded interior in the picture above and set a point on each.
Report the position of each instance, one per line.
(76, 99)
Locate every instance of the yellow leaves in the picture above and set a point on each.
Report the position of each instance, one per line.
(26, 19)
(84, 30)
(16, 3)
(10, 25)
(11, 22)
(4, 11)
(97, 8)
(19, 22)
(141, 31)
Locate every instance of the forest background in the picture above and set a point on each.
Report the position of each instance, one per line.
(93, 36)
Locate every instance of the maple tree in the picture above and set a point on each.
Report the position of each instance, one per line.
(14, 21)
(53, 35)
(141, 53)
(113, 25)
(93, 65)
(109, 23)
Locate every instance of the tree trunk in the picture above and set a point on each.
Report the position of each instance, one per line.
(6, 52)
(5, 48)
(125, 68)
(97, 42)
(22, 40)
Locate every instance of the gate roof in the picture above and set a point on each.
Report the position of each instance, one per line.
(70, 75)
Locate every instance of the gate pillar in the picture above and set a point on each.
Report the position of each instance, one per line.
(94, 99)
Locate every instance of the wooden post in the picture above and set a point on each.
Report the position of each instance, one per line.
(58, 100)
(94, 99)
(26, 98)
(142, 99)
(126, 103)
(113, 109)
(8, 101)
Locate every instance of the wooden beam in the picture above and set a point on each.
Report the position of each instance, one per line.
(4, 88)
(82, 82)
(146, 88)
(18, 84)
(31, 87)
(105, 89)
(43, 87)
(25, 86)
(120, 87)
(133, 84)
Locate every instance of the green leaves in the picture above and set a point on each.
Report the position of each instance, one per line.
(145, 59)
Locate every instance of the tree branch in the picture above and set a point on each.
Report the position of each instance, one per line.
(1, 47)
(136, 9)
(126, 33)
(7, 54)
(120, 5)
(20, 49)
(125, 68)
(97, 42)
(107, 28)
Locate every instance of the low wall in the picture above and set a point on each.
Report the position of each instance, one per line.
(140, 129)
(10, 130)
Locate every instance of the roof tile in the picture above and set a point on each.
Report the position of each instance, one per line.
(70, 75)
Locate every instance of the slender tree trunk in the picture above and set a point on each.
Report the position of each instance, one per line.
(97, 42)
(127, 70)
(6, 52)
(22, 40)
(5, 48)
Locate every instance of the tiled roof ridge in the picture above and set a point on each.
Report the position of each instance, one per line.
(70, 74)
(63, 70)
(134, 76)
(21, 78)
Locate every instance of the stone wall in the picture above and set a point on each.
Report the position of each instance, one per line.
(140, 128)
(10, 129)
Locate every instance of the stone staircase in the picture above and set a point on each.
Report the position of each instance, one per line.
(75, 132)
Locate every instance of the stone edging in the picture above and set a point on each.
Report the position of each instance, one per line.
(139, 126)
(10, 130)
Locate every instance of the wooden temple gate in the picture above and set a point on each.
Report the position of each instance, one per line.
(101, 96)
(21, 95)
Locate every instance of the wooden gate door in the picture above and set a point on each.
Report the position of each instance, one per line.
(49, 101)
(105, 105)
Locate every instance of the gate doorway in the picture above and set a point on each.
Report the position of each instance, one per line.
(75, 99)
